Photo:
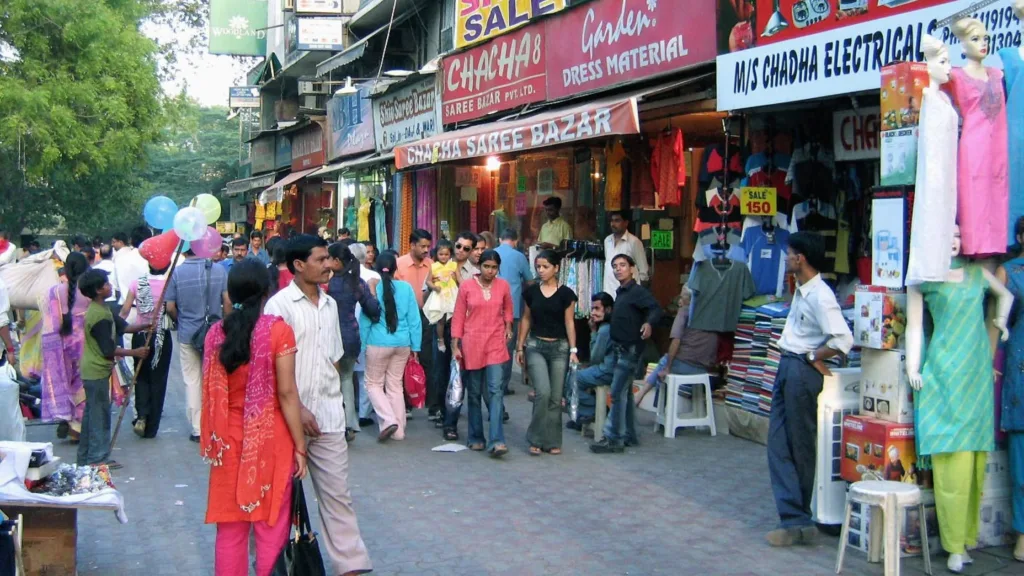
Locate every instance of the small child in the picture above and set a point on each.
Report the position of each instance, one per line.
(103, 330)
(443, 283)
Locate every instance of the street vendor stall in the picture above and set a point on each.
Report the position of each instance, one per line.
(47, 495)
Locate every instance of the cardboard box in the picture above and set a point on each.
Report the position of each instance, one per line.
(50, 539)
(910, 528)
(885, 391)
(891, 209)
(902, 86)
(878, 450)
(880, 317)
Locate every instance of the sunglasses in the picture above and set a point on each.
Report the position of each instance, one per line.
(463, 248)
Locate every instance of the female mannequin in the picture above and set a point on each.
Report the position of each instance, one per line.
(982, 187)
(1012, 417)
(954, 401)
(935, 205)
(1013, 68)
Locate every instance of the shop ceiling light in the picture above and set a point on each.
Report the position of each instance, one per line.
(493, 163)
(399, 73)
(776, 22)
(348, 88)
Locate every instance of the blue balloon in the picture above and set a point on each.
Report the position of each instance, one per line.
(159, 212)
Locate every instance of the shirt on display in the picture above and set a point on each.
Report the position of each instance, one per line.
(714, 207)
(614, 158)
(668, 168)
(720, 295)
(765, 250)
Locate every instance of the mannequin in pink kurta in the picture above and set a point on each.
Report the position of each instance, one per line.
(982, 164)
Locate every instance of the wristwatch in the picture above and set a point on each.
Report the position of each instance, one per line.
(573, 350)
(810, 357)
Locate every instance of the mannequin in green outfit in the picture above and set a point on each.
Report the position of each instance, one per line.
(955, 399)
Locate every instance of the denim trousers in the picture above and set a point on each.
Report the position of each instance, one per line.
(546, 362)
(586, 380)
(365, 406)
(475, 382)
(94, 443)
(623, 410)
(442, 368)
(506, 368)
(793, 439)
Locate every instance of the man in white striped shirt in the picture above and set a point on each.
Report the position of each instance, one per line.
(313, 316)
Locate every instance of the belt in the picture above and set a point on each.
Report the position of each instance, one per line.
(800, 357)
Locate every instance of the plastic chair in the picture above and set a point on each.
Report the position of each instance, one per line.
(668, 414)
(600, 412)
(891, 498)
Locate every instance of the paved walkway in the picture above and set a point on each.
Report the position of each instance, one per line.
(692, 505)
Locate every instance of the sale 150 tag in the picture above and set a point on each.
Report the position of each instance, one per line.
(757, 201)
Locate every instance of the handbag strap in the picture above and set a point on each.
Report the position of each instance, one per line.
(206, 288)
(300, 514)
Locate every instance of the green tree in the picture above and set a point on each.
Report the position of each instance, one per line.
(79, 101)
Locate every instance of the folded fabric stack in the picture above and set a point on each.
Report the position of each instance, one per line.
(756, 356)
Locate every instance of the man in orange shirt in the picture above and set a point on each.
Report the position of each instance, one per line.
(414, 268)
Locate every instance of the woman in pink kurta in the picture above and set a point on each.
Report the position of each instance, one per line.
(482, 324)
(982, 164)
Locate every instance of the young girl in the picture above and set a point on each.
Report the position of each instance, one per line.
(443, 282)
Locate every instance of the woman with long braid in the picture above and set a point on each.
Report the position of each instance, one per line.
(63, 342)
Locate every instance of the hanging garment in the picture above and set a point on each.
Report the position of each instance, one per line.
(934, 216)
(615, 156)
(955, 409)
(396, 208)
(426, 200)
(773, 179)
(363, 230)
(668, 167)
(718, 206)
(380, 225)
(406, 222)
(765, 249)
(1013, 68)
(1012, 414)
(641, 186)
(719, 295)
(713, 165)
(982, 162)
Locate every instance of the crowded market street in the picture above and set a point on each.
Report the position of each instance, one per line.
(692, 505)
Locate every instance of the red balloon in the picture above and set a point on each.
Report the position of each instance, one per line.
(158, 250)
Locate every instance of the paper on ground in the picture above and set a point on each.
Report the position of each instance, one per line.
(449, 447)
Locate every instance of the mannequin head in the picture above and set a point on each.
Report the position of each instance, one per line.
(973, 36)
(956, 241)
(936, 53)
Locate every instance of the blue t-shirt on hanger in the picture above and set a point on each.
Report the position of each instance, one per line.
(765, 253)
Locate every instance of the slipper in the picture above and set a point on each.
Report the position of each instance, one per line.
(451, 435)
(476, 447)
(534, 451)
(499, 451)
(555, 451)
(387, 433)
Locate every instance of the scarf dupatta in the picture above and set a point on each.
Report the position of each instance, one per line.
(145, 303)
(256, 467)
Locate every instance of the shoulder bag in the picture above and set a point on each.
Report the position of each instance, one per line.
(198, 341)
(301, 555)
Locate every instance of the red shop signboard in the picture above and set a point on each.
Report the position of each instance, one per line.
(308, 148)
(504, 73)
(608, 42)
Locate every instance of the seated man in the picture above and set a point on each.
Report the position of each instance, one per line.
(598, 372)
(691, 351)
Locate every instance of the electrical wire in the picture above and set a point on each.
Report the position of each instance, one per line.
(387, 37)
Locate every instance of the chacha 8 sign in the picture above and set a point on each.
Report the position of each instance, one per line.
(757, 201)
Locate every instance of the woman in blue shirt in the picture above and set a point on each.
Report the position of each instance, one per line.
(388, 343)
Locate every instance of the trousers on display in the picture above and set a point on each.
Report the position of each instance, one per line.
(958, 478)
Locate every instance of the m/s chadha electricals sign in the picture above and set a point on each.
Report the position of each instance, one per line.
(410, 113)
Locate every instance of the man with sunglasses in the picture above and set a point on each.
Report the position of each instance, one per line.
(465, 246)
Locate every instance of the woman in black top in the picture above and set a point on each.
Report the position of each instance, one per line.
(547, 338)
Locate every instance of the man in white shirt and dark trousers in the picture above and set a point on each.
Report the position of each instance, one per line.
(620, 241)
(815, 331)
(313, 316)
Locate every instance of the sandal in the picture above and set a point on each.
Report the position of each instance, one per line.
(555, 451)
(476, 447)
(387, 433)
(451, 435)
(534, 451)
(499, 450)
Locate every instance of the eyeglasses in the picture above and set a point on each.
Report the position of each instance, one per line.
(463, 248)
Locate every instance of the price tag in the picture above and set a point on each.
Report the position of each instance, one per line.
(521, 205)
(758, 201)
(661, 240)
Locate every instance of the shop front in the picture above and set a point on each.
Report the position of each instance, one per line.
(308, 203)
(846, 124)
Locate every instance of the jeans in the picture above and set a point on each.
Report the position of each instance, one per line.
(475, 381)
(546, 362)
(365, 406)
(586, 380)
(506, 368)
(442, 368)
(94, 442)
(793, 439)
(623, 410)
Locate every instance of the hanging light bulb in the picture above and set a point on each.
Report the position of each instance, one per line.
(348, 88)
(493, 163)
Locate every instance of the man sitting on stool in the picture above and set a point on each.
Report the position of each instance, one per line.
(601, 368)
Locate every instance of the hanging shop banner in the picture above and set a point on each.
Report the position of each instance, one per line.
(291, 39)
(238, 27)
(308, 148)
(560, 127)
(407, 114)
(283, 156)
(263, 150)
(318, 6)
(349, 118)
(504, 73)
(244, 97)
(847, 58)
(608, 42)
(478, 20)
(321, 34)
(856, 134)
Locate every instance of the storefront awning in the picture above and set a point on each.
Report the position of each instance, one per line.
(564, 126)
(354, 163)
(356, 50)
(289, 180)
(236, 187)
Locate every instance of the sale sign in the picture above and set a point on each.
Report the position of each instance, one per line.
(478, 20)
(501, 74)
(758, 201)
(608, 42)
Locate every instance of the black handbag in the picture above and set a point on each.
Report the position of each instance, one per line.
(198, 341)
(301, 555)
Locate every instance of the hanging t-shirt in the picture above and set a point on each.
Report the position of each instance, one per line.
(715, 209)
(707, 246)
(668, 168)
(641, 186)
(614, 158)
(765, 251)
(719, 295)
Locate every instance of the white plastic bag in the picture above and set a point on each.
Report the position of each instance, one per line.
(574, 393)
(30, 279)
(456, 392)
(12, 423)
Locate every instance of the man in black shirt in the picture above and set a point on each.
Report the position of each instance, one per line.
(633, 317)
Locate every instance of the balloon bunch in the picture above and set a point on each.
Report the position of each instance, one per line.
(190, 225)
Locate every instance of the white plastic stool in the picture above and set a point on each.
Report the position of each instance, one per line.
(668, 415)
(600, 412)
(891, 498)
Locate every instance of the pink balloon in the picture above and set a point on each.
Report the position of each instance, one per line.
(208, 244)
